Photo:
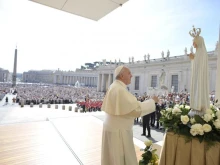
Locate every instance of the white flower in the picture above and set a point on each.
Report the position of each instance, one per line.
(177, 105)
(169, 109)
(184, 119)
(206, 128)
(193, 132)
(209, 111)
(211, 105)
(196, 129)
(187, 107)
(148, 143)
(181, 106)
(162, 112)
(217, 124)
(176, 110)
(192, 120)
(207, 117)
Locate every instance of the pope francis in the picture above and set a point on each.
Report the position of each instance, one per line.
(121, 108)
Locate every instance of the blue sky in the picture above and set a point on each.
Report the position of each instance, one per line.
(50, 39)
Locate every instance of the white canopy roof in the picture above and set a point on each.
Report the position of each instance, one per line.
(92, 9)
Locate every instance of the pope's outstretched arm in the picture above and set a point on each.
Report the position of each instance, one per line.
(144, 108)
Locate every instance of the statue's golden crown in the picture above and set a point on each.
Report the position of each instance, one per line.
(195, 32)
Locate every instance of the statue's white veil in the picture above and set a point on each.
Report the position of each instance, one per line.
(200, 77)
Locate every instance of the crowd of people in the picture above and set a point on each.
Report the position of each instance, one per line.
(89, 99)
(52, 94)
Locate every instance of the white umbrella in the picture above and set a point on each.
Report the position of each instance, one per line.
(91, 9)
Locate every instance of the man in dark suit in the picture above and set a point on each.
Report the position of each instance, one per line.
(146, 124)
(152, 119)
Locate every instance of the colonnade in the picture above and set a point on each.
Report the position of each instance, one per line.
(104, 81)
(85, 80)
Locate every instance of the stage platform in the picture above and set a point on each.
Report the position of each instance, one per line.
(49, 136)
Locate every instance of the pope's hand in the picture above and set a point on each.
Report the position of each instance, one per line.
(155, 98)
(191, 56)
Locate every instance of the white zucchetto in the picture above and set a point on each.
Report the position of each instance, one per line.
(118, 70)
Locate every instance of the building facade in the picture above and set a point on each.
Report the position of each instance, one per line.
(147, 73)
(44, 76)
(83, 77)
(173, 73)
(4, 75)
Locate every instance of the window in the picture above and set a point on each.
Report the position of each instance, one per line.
(137, 79)
(174, 83)
(153, 81)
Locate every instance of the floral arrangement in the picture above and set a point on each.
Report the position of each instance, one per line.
(149, 157)
(206, 127)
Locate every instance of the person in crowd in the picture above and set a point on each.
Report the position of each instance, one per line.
(146, 124)
(152, 119)
(6, 100)
(121, 108)
(158, 114)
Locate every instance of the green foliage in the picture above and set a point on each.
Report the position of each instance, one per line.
(199, 119)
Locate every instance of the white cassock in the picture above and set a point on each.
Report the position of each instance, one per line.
(121, 109)
(199, 91)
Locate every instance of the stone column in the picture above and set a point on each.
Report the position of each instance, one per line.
(212, 80)
(95, 82)
(99, 82)
(109, 79)
(187, 79)
(102, 82)
(180, 81)
(217, 84)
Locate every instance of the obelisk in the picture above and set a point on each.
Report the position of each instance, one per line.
(14, 75)
(217, 84)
